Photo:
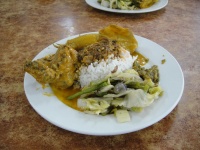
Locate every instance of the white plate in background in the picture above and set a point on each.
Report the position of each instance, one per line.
(157, 6)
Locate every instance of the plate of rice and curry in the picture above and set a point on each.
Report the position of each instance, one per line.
(103, 83)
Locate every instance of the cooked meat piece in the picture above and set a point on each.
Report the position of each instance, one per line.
(58, 69)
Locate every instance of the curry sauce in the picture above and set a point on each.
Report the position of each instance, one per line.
(62, 95)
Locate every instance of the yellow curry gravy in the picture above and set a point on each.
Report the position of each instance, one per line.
(63, 94)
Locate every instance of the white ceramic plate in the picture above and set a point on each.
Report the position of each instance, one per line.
(157, 6)
(59, 114)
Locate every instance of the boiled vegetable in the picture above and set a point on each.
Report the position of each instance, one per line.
(118, 93)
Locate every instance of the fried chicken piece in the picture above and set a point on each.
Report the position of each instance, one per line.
(57, 69)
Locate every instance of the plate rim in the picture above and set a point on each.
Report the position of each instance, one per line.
(94, 4)
(112, 132)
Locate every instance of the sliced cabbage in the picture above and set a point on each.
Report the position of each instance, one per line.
(118, 102)
(106, 88)
(156, 91)
(118, 95)
(140, 98)
(127, 76)
(94, 105)
(137, 109)
(113, 3)
(122, 116)
(105, 3)
(149, 82)
(144, 85)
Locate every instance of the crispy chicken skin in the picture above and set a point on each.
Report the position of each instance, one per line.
(57, 70)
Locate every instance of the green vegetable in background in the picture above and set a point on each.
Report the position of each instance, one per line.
(127, 4)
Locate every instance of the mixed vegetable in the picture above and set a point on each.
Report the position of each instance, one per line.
(118, 93)
(127, 4)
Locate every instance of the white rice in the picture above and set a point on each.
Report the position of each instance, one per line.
(99, 70)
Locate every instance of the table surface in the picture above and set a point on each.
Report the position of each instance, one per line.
(27, 27)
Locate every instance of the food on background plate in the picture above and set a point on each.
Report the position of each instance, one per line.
(104, 71)
(127, 4)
